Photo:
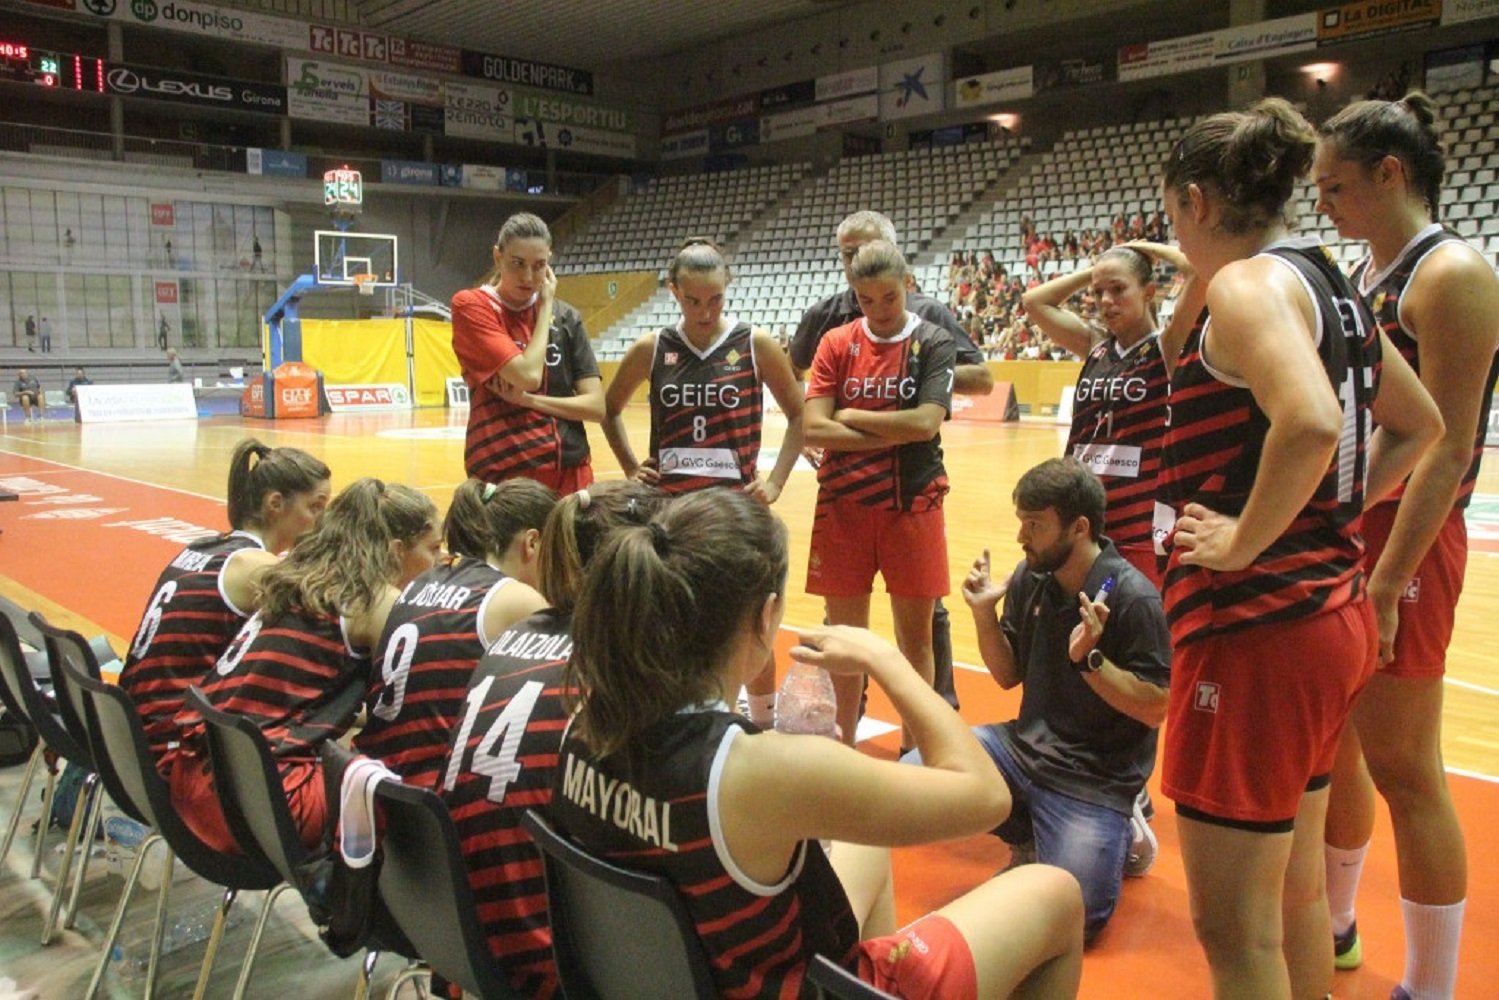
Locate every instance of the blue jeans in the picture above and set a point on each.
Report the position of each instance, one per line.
(1087, 840)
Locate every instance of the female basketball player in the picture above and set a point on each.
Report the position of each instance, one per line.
(531, 373)
(446, 618)
(1263, 469)
(300, 666)
(503, 750)
(209, 588)
(732, 816)
(877, 394)
(1379, 174)
(706, 375)
(1119, 406)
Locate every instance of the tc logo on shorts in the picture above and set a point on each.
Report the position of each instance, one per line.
(1412, 591)
(1207, 697)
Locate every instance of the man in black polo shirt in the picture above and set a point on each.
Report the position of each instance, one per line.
(1084, 632)
(970, 378)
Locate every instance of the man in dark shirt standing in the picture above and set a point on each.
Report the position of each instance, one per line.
(1084, 632)
(970, 378)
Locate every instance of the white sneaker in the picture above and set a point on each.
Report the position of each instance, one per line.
(1143, 845)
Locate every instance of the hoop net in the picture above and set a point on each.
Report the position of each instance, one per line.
(364, 283)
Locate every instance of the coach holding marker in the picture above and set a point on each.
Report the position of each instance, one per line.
(971, 377)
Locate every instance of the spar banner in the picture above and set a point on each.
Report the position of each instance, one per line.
(328, 92)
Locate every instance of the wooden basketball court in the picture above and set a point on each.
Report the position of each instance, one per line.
(103, 507)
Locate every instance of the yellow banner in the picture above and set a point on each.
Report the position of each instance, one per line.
(373, 351)
(432, 352)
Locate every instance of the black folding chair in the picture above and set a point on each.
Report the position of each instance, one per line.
(616, 933)
(833, 980)
(15, 663)
(424, 885)
(128, 770)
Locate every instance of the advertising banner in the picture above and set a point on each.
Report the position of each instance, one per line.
(99, 404)
(1461, 11)
(163, 213)
(408, 172)
(328, 92)
(296, 391)
(550, 135)
(477, 111)
(346, 43)
(790, 124)
(483, 177)
(792, 95)
(275, 162)
(193, 88)
(564, 111)
(710, 114)
(367, 398)
(1374, 17)
(389, 115)
(424, 55)
(229, 24)
(684, 144)
(850, 109)
(836, 86)
(912, 87)
(1297, 33)
(526, 72)
(1014, 84)
(405, 87)
(745, 132)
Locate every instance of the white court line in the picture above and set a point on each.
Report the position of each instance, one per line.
(111, 475)
(1478, 775)
(1470, 686)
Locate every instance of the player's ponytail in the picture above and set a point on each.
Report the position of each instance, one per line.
(484, 518)
(1368, 131)
(256, 471)
(662, 605)
(577, 526)
(699, 255)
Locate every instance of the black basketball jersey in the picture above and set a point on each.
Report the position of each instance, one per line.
(1384, 292)
(705, 410)
(653, 807)
(1118, 419)
(188, 624)
(1211, 455)
(501, 757)
(432, 641)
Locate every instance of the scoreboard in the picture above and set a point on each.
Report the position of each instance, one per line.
(21, 63)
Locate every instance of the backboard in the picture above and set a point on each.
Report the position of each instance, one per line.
(340, 256)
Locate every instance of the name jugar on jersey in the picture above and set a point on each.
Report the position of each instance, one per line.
(861, 371)
(187, 625)
(501, 759)
(1211, 454)
(1118, 418)
(431, 643)
(1384, 293)
(705, 410)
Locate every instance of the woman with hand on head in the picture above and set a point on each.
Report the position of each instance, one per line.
(529, 367)
(209, 588)
(502, 750)
(732, 816)
(1265, 466)
(300, 666)
(447, 617)
(1379, 171)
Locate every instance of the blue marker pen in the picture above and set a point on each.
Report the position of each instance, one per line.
(1105, 590)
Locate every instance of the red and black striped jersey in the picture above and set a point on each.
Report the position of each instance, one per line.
(500, 762)
(705, 410)
(653, 807)
(432, 640)
(860, 371)
(1385, 293)
(505, 440)
(1211, 455)
(188, 624)
(297, 678)
(1118, 418)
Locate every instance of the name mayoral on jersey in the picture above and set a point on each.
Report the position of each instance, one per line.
(541, 647)
(614, 801)
(880, 387)
(1131, 389)
(693, 394)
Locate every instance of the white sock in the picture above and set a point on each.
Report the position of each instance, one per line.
(1344, 869)
(1432, 934)
(762, 710)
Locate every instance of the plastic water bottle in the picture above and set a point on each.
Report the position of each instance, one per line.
(806, 704)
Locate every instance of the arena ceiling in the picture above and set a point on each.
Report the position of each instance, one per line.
(585, 33)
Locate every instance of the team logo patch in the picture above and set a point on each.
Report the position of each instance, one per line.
(1412, 591)
(915, 347)
(671, 357)
(1206, 699)
(1379, 301)
(733, 357)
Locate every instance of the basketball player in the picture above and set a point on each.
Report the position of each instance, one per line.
(732, 816)
(1263, 475)
(529, 367)
(971, 376)
(877, 394)
(300, 666)
(446, 618)
(1379, 174)
(209, 588)
(503, 747)
(706, 375)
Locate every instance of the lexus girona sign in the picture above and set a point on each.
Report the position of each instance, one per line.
(190, 88)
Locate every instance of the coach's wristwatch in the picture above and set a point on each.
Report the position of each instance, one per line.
(1092, 663)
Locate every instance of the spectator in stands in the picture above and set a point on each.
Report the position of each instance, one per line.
(971, 377)
(524, 668)
(1084, 635)
(78, 379)
(174, 366)
(209, 589)
(299, 667)
(31, 333)
(1379, 171)
(708, 574)
(446, 618)
(28, 392)
(45, 329)
(1272, 636)
(529, 367)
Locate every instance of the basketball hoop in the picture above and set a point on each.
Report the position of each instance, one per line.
(365, 284)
